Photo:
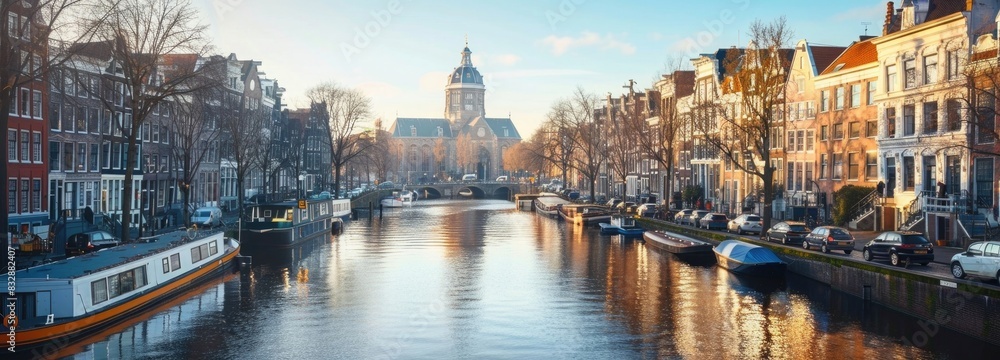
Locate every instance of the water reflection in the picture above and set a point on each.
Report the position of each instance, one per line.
(478, 279)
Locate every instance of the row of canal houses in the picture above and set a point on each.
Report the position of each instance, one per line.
(66, 144)
(896, 109)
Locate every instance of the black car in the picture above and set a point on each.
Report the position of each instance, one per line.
(90, 241)
(787, 232)
(899, 246)
(830, 238)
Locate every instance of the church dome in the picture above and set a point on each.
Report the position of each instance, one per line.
(465, 73)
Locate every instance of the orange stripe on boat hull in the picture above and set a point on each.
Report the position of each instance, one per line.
(32, 337)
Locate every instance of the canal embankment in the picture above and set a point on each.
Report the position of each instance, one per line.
(966, 306)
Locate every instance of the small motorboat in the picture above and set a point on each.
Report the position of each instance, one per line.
(676, 243)
(621, 225)
(465, 192)
(745, 258)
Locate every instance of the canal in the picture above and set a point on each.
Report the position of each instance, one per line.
(479, 279)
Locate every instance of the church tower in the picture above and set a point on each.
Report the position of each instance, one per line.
(464, 93)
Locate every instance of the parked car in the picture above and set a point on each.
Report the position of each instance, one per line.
(502, 178)
(695, 217)
(612, 202)
(713, 221)
(787, 232)
(469, 178)
(647, 210)
(899, 246)
(681, 215)
(982, 260)
(746, 223)
(207, 217)
(90, 241)
(830, 238)
(626, 207)
(386, 185)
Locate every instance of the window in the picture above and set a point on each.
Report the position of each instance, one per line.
(36, 195)
(81, 119)
(953, 65)
(855, 95)
(838, 131)
(12, 19)
(36, 104)
(99, 291)
(908, 176)
(984, 181)
(909, 73)
(838, 166)
(930, 69)
(871, 93)
(11, 145)
(790, 182)
(800, 140)
(930, 117)
(11, 196)
(81, 157)
(68, 117)
(13, 103)
(175, 262)
(25, 146)
(93, 120)
(908, 121)
(55, 116)
(810, 136)
(871, 128)
(791, 140)
(36, 147)
(824, 101)
(986, 114)
(891, 78)
(824, 132)
(853, 165)
(25, 102)
(156, 133)
(195, 255)
(54, 156)
(24, 196)
(838, 99)
(824, 166)
(890, 122)
(854, 129)
(67, 158)
(93, 157)
(871, 166)
(954, 116)
(166, 265)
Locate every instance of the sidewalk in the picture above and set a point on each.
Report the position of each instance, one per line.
(942, 254)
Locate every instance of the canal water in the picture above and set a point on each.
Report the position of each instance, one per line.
(479, 279)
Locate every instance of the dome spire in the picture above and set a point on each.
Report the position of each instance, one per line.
(466, 53)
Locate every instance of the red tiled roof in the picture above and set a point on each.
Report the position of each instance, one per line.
(859, 53)
(824, 55)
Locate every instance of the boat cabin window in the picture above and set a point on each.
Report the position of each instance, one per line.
(112, 286)
(166, 265)
(267, 213)
(99, 291)
(213, 248)
(175, 262)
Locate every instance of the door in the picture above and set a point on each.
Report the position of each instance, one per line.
(984, 183)
(930, 173)
(43, 303)
(890, 176)
(952, 174)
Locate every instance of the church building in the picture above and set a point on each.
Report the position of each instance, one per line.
(465, 141)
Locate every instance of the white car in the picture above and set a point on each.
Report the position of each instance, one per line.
(981, 260)
(746, 223)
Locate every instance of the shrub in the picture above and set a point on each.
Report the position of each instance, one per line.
(845, 199)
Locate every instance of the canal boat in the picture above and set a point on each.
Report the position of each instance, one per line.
(465, 192)
(621, 225)
(676, 243)
(749, 259)
(549, 205)
(63, 300)
(286, 224)
(585, 214)
(398, 199)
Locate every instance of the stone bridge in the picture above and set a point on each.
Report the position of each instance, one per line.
(476, 190)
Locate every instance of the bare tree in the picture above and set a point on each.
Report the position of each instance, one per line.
(347, 109)
(143, 33)
(660, 142)
(195, 131)
(28, 30)
(624, 127)
(587, 141)
(245, 129)
(742, 130)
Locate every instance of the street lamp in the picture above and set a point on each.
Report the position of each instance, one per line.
(299, 189)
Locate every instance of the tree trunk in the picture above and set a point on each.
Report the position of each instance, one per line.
(127, 191)
(768, 195)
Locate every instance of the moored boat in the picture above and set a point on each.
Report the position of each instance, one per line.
(549, 205)
(745, 258)
(621, 225)
(676, 243)
(583, 214)
(79, 295)
(285, 224)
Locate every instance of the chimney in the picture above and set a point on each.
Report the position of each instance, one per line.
(889, 25)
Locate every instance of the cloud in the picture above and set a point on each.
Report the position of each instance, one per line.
(561, 44)
(507, 59)
(865, 13)
(655, 36)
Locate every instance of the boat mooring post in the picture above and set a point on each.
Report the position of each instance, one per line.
(371, 210)
(380, 211)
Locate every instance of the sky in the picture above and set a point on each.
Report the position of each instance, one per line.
(531, 53)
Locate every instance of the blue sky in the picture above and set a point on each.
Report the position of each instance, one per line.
(531, 53)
